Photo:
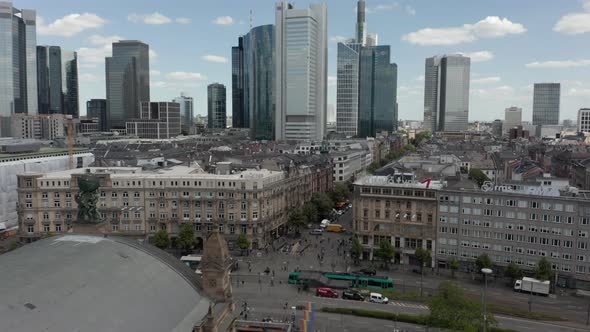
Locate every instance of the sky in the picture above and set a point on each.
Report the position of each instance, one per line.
(512, 44)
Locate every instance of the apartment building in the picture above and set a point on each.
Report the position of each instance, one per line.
(399, 209)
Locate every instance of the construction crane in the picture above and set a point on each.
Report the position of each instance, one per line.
(70, 141)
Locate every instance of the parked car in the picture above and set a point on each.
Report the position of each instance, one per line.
(378, 298)
(352, 295)
(317, 231)
(326, 292)
(369, 271)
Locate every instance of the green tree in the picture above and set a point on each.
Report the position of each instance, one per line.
(297, 219)
(356, 250)
(483, 261)
(340, 193)
(161, 239)
(310, 211)
(373, 167)
(452, 310)
(454, 265)
(409, 148)
(424, 257)
(478, 176)
(385, 252)
(323, 203)
(13, 245)
(186, 237)
(543, 269)
(243, 242)
(513, 272)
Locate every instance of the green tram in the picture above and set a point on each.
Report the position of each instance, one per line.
(340, 280)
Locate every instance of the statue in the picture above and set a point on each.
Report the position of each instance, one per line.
(86, 198)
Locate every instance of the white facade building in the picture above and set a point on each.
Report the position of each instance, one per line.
(512, 118)
(584, 120)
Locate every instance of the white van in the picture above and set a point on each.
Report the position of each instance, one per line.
(378, 298)
(324, 223)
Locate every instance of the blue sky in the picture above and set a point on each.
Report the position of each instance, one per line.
(513, 44)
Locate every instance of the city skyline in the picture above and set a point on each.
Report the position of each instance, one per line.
(503, 80)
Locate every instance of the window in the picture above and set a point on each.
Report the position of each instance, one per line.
(58, 227)
(30, 229)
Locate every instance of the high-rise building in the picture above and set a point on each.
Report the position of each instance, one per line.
(372, 39)
(216, 113)
(158, 120)
(97, 108)
(301, 71)
(584, 120)
(497, 128)
(186, 112)
(57, 81)
(127, 81)
(377, 91)
(546, 104)
(361, 25)
(18, 61)
(446, 93)
(259, 84)
(512, 118)
(239, 112)
(347, 88)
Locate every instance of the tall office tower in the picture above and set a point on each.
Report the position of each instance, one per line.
(186, 112)
(259, 76)
(57, 81)
(127, 81)
(239, 111)
(546, 104)
(97, 108)
(372, 39)
(301, 72)
(377, 91)
(512, 118)
(361, 25)
(347, 88)
(18, 61)
(446, 93)
(216, 113)
(584, 120)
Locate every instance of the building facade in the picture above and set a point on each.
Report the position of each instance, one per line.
(240, 114)
(301, 71)
(512, 118)
(216, 112)
(18, 61)
(497, 126)
(446, 93)
(347, 88)
(397, 209)
(57, 81)
(546, 98)
(127, 81)
(186, 112)
(159, 120)
(584, 120)
(97, 108)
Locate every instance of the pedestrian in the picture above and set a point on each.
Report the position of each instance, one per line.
(242, 282)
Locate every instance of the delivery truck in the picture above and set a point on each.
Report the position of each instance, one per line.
(336, 228)
(532, 285)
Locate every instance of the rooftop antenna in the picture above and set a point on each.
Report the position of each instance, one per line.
(250, 19)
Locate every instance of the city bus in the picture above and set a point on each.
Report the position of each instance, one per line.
(193, 262)
(341, 280)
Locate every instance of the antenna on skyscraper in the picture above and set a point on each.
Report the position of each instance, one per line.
(250, 19)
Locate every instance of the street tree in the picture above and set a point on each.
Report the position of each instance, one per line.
(385, 252)
(323, 203)
(186, 237)
(454, 265)
(373, 167)
(478, 176)
(340, 193)
(453, 310)
(543, 269)
(243, 242)
(297, 219)
(513, 272)
(424, 257)
(356, 250)
(310, 211)
(483, 261)
(161, 239)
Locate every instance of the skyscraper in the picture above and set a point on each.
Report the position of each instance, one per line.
(127, 81)
(186, 112)
(18, 61)
(361, 25)
(377, 91)
(239, 111)
(347, 88)
(216, 113)
(301, 72)
(546, 104)
(512, 118)
(446, 93)
(97, 108)
(57, 81)
(584, 120)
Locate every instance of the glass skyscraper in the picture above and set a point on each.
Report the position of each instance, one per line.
(127, 81)
(18, 60)
(546, 104)
(377, 91)
(216, 112)
(186, 112)
(57, 81)
(347, 88)
(97, 108)
(239, 112)
(301, 72)
(446, 93)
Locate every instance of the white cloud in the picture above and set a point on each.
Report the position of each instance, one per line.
(479, 56)
(574, 92)
(559, 64)
(486, 80)
(214, 58)
(410, 10)
(420, 78)
(158, 84)
(224, 20)
(153, 55)
(70, 25)
(331, 80)
(92, 56)
(338, 39)
(103, 40)
(154, 72)
(574, 23)
(185, 76)
(183, 20)
(153, 18)
(489, 27)
(87, 77)
(87, 65)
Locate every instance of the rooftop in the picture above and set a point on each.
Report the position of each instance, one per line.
(390, 181)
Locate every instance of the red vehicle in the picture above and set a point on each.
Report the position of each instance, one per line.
(326, 292)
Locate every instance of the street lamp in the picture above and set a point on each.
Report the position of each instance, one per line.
(485, 272)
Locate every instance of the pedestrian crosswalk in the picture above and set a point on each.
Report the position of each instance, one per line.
(409, 305)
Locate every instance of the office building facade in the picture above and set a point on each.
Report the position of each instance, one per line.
(97, 108)
(301, 72)
(216, 106)
(57, 81)
(446, 93)
(186, 112)
(240, 115)
(361, 25)
(347, 89)
(584, 120)
(158, 120)
(18, 61)
(127, 81)
(546, 98)
(512, 118)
